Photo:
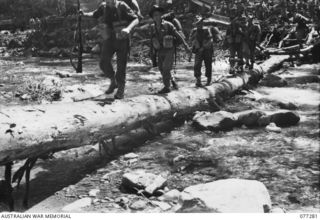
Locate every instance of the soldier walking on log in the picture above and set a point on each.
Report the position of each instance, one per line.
(202, 39)
(119, 21)
(234, 38)
(253, 37)
(162, 40)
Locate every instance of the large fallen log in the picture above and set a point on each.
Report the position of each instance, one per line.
(31, 131)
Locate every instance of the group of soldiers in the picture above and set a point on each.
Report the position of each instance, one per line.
(120, 17)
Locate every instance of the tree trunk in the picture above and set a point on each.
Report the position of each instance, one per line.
(31, 131)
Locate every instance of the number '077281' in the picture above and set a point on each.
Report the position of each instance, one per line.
(308, 216)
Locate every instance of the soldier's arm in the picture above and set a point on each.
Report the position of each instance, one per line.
(130, 16)
(133, 24)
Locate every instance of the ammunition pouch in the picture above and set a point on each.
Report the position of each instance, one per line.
(168, 41)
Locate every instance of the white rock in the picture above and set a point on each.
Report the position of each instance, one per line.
(130, 156)
(138, 205)
(96, 201)
(94, 192)
(77, 205)
(158, 183)
(170, 196)
(230, 196)
(273, 128)
(162, 205)
(139, 179)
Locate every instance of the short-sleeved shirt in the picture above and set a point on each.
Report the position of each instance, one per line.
(111, 16)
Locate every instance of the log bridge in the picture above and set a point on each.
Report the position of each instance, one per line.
(29, 132)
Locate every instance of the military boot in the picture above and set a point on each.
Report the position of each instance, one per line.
(120, 92)
(198, 82)
(164, 90)
(112, 87)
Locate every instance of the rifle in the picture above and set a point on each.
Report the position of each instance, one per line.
(78, 39)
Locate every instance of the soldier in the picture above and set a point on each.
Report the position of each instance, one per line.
(253, 37)
(235, 37)
(203, 39)
(162, 40)
(119, 21)
(170, 17)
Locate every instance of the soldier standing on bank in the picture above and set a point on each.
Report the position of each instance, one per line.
(203, 39)
(119, 21)
(162, 40)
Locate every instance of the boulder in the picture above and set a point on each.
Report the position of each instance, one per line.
(138, 205)
(273, 128)
(287, 105)
(77, 205)
(94, 192)
(228, 196)
(217, 121)
(171, 196)
(249, 118)
(158, 183)
(143, 181)
(162, 205)
(195, 206)
(264, 121)
(285, 118)
(273, 81)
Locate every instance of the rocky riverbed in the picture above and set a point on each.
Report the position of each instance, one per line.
(285, 161)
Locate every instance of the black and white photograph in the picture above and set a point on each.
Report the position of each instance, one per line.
(159, 106)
